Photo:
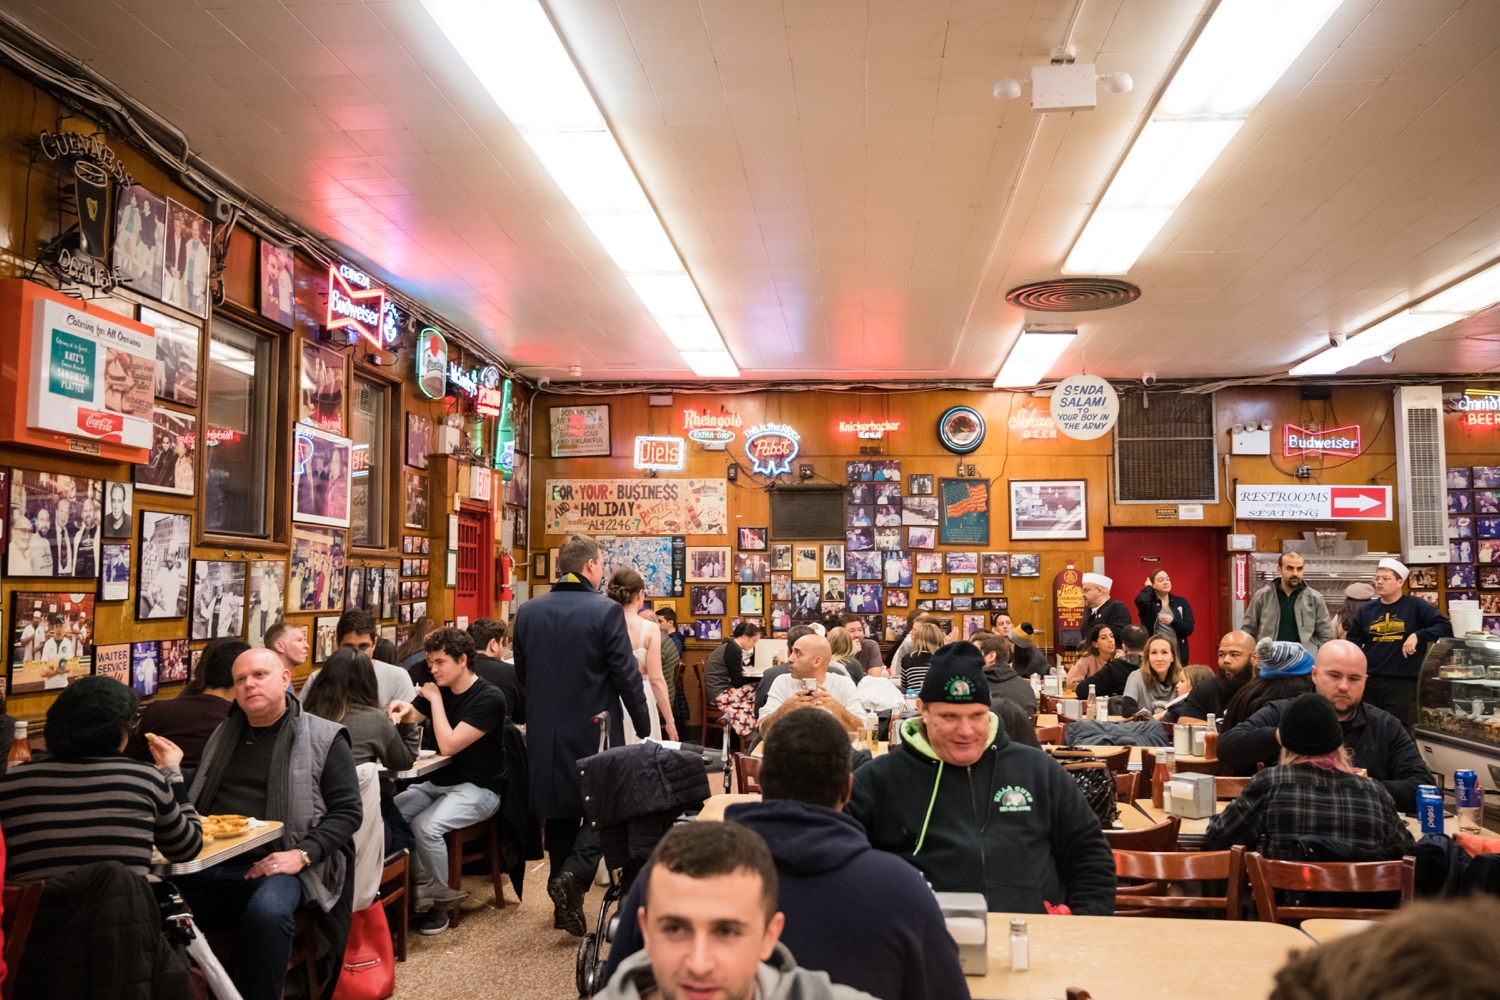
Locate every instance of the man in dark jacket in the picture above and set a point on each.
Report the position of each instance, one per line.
(1394, 632)
(1109, 680)
(1237, 663)
(1376, 739)
(899, 948)
(574, 660)
(489, 635)
(1101, 609)
(977, 812)
(1003, 680)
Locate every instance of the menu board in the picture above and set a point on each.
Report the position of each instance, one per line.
(92, 376)
(637, 507)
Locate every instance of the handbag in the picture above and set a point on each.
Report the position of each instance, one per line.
(369, 963)
(1095, 781)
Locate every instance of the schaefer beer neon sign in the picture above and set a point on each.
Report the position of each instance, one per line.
(1338, 441)
(771, 448)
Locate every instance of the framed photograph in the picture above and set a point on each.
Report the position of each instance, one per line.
(886, 470)
(114, 574)
(781, 586)
(781, 558)
(921, 511)
(925, 605)
(1487, 502)
(175, 662)
(859, 517)
(865, 598)
(51, 640)
(887, 516)
(1453, 595)
(374, 587)
(927, 586)
(1465, 551)
(805, 562)
(317, 575)
(994, 585)
(320, 389)
(1426, 578)
(897, 599)
(1025, 564)
(753, 539)
(54, 529)
(964, 511)
(321, 477)
(1055, 508)
(919, 485)
(807, 600)
(887, 539)
(388, 602)
(942, 604)
(1489, 604)
(113, 662)
(325, 638)
(928, 562)
(708, 600)
(1486, 477)
(143, 673)
(962, 562)
(972, 624)
(1459, 502)
(833, 558)
(418, 440)
(185, 264)
(416, 501)
(266, 596)
(921, 538)
(781, 617)
(865, 565)
(833, 587)
(897, 569)
(1485, 527)
(860, 494)
(888, 494)
(1460, 526)
(708, 629)
(166, 540)
(176, 378)
(751, 567)
(140, 239)
(277, 269)
(118, 510)
(403, 612)
(752, 599)
(960, 585)
(1458, 477)
(707, 564)
(1460, 576)
(580, 431)
(354, 589)
(859, 539)
(982, 603)
(169, 465)
(539, 566)
(218, 599)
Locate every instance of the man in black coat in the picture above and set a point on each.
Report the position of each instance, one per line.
(1102, 609)
(574, 659)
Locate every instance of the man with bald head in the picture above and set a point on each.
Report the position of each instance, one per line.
(270, 760)
(808, 684)
(1377, 740)
(1237, 663)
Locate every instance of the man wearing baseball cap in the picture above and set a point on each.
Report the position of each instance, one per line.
(1394, 631)
(1102, 609)
(976, 812)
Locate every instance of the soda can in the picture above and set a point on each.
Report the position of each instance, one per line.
(1466, 791)
(1430, 808)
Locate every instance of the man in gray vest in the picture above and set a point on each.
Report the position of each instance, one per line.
(270, 760)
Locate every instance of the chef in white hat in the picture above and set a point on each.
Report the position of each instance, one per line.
(1394, 631)
(1101, 608)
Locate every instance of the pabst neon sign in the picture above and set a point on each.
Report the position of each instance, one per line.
(354, 304)
(706, 426)
(872, 430)
(1032, 423)
(771, 448)
(1338, 441)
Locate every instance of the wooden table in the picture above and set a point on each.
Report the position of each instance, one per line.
(713, 808)
(222, 849)
(1229, 959)
(424, 765)
(1324, 930)
(1195, 828)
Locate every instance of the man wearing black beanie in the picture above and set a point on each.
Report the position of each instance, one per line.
(976, 812)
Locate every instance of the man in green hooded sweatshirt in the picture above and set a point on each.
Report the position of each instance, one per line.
(976, 812)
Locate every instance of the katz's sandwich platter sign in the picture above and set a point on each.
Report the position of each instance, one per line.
(91, 375)
(1312, 503)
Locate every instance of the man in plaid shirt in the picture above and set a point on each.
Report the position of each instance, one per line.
(1313, 793)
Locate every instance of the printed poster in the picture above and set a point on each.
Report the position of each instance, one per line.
(91, 376)
(649, 556)
(636, 507)
(580, 431)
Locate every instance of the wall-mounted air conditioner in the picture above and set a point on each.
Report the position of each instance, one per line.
(1421, 474)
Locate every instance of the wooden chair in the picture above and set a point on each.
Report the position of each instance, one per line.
(1266, 876)
(1126, 785)
(1200, 766)
(1117, 762)
(1148, 898)
(713, 718)
(397, 876)
(1049, 734)
(747, 774)
(305, 950)
(485, 833)
(1229, 788)
(21, 902)
(1161, 837)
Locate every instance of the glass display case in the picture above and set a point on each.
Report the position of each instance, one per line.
(1458, 707)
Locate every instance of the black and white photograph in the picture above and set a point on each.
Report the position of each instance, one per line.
(176, 357)
(114, 575)
(781, 558)
(1025, 564)
(325, 638)
(354, 589)
(169, 465)
(805, 562)
(218, 599)
(321, 477)
(833, 586)
(708, 600)
(833, 558)
(1048, 509)
(919, 511)
(140, 229)
(707, 564)
(265, 595)
(388, 602)
(54, 530)
(118, 510)
(374, 589)
(806, 600)
(185, 264)
(418, 440)
(277, 274)
(919, 484)
(416, 501)
(163, 565)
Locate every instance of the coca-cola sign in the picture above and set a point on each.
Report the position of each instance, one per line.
(104, 426)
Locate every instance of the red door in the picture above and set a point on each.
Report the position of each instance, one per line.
(471, 598)
(1191, 556)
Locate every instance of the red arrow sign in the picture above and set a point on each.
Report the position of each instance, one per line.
(1366, 503)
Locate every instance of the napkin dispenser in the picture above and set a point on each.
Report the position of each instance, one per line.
(966, 915)
(1193, 795)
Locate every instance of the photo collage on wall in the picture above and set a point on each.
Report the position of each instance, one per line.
(1473, 569)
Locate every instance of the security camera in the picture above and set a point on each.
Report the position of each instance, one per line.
(543, 382)
(1389, 356)
(1117, 83)
(1149, 378)
(1008, 89)
(1337, 339)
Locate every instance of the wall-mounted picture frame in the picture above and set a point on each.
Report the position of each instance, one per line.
(540, 566)
(143, 671)
(163, 565)
(51, 640)
(752, 599)
(1048, 509)
(751, 567)
(114, 571)
(325, 638)
(964, 511)
(708, 563)
(113, 661)
(919, 484)
(709, 599)
(174, 663)
(1028, 564)
(54, 529)
(174, 445)
(752, 539)
(176, 378)
(140, 239)
(833, 557)
(320, 388)
(805, 564)
(277, 275)
(416, 500)
(119, 510)
(316, 579)
(265, 598)
(418, 440)
(781, 558)
(322, 476)
(580, 431)
(218, 599)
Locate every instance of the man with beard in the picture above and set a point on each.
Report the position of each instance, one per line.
(1237, 663)
(86, 541)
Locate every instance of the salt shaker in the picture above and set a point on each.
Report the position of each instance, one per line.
(1020, 949)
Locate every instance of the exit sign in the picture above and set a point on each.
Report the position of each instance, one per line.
(662, 454)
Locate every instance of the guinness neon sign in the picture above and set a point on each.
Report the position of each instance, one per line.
(771, 448)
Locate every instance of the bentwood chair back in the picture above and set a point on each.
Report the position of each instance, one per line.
(1049, 734)
(1126, 786)
(21, 902)
(1229, 788)
(1267, 876)
(711, 716)
(1156, 871)
(747, 774)
(1161, 837)
(395, 883)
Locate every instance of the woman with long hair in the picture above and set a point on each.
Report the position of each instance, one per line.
(628, 589)
(1356, 596)
(841, 647)
(348, 693)
(725, 685)
(412, 653)
(926, 639)
(1099, 647)
(1154, 685)
(1165, 613)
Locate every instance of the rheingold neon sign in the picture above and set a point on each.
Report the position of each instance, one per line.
(707, 426)
(355, 305)
(771, 448)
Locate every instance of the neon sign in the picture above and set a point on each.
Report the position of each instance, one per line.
(432, 362)
(464, 381)
(354, 305)
(487, 400)
(664, 454)
(1032, 423)
(872, 430)
(1480, 408)
(771, 448)
(707, 426)
(1338, 441)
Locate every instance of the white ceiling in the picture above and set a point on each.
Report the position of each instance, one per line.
(840, 181)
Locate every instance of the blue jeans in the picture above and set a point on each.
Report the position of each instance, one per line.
(261, 910)
(433, 810)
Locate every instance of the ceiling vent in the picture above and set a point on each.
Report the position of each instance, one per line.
(1421, 476)
(1073, 295)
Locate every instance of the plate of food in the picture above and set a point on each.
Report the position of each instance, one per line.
(223, 826)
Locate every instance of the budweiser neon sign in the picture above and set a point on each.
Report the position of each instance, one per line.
(771, 448)
(353, 305)
(704, 425)
(1032, 423)
(1338, 441)
(872, 429)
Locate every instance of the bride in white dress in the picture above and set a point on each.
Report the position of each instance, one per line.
(628, 589)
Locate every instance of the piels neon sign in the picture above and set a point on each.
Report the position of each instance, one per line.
(354, 305)
(664, 454)
(1338, 441)
(771, 448)
(871, 430)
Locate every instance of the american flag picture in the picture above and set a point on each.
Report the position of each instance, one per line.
(965, 511)
(972, 498)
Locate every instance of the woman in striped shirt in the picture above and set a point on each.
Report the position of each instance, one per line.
(88, 803)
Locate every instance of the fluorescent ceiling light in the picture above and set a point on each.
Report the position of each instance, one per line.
(1243, 50)
(513, 49)
(1033, 353)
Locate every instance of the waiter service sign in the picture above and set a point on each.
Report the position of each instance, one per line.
(91, 377)
(1312, 503)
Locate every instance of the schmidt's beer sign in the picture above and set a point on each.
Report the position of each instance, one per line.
(1338, 441)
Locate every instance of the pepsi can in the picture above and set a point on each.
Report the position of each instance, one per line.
(1469, 798)
(1430, 808)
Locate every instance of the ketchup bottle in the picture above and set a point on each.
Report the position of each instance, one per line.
(1166, 766)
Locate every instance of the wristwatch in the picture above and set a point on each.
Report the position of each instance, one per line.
(306, 861)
